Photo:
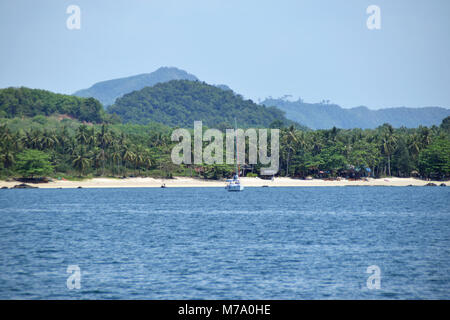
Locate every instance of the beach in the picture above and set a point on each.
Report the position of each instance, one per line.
(187, 182)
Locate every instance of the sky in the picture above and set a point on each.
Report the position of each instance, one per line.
(313, 49)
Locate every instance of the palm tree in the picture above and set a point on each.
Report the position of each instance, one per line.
(104, 140)
(9, 144)
(16, 141)
(414, 145)
(48, 140)
(64, 139)
(159, 140)
(289, 140)
(128, 156)
(388, 143)
(82, 135)
(116, 157)
(315, 143)
(148, 162)
(81, 161)
(97, 159)
(7, 156)
(5, 133)
(91, 138)
(138, 161)
(425, 136)
(33, 139)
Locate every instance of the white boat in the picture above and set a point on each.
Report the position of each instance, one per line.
(235, 184)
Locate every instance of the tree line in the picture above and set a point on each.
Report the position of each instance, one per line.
(99, 150)
(384, 151)
(69, 148)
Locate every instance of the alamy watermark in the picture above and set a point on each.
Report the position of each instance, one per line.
(374, 280)
(74, 280)
(374, 20)
(73, 22)
(234, 140)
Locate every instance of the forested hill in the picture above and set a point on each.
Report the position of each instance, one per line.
(19, 102)
(326, 116)
(108, 91)
(181, 102)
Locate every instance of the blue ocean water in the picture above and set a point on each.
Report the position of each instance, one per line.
(206, 243)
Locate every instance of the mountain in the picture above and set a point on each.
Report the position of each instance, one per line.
(326, 116)
(20, 102)
(108, 91)
(223, 87)
(181, 102)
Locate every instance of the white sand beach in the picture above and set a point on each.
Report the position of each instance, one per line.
(247, 182)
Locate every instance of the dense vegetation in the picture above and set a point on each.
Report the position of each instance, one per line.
(25, 102)
(384, 151)
(69, 148)
(325, 115)
(108, 91)
(77, 149)
(181, 102)
(48, 134)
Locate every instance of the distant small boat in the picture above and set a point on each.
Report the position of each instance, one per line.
(235, 184)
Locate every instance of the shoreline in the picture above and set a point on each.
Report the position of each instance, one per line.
(187, 182)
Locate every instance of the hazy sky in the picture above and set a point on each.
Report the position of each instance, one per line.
(314, 49)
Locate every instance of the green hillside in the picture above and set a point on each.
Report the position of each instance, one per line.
(25, 102)
(181, 102)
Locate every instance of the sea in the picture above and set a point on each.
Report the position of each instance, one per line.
(207, 243)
